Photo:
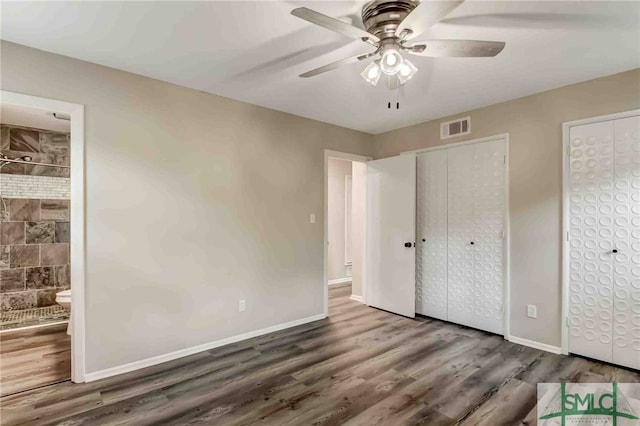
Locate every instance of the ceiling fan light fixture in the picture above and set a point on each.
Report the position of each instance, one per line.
(390, 61)
(406, 71)
(372, 73)
(388, 26)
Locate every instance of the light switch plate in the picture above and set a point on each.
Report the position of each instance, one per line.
(532, 311)
(312, 218)
(242, 305)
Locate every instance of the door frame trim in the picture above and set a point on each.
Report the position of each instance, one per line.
(507, 220)
(328, 153)
(77, 207)
(566, 128)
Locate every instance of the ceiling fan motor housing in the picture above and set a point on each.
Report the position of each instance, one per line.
(382, 17)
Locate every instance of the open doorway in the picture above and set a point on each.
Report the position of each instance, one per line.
(345, 201)
(35, 282)
(41, 242)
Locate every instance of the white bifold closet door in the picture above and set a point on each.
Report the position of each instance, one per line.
(461, 204)
(431, 235)
(604, 241)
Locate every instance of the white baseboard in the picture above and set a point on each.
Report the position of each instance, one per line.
(535, 345)
(356, 298)
(340, 281)
(148, 362)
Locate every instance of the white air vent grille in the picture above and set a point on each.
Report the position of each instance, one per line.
(460, 126)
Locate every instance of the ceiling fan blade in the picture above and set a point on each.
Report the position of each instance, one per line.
(456, 48)
(426, 14)
(337, 64)
(332, 24)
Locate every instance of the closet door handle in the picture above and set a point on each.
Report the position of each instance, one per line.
(614, 251)
(472, 243)
(407, 245)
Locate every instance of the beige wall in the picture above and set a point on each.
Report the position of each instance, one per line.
(193, 201)
(337, 171)
(534, 124)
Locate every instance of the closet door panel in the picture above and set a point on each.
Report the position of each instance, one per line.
(626, 241)
(460, 260)
(591, 232)
(431, 235)
(488, 225)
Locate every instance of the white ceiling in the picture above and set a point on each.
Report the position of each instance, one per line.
(32, 117)
(253, 51)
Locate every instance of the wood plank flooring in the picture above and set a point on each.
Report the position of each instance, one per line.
(34, 357)
(361, 366)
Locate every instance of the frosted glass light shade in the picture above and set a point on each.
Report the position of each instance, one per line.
(372, 73)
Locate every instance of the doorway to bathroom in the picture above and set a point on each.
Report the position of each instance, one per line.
(344, 231)
(36, 236)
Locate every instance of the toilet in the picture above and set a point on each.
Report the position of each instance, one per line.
(63, 299)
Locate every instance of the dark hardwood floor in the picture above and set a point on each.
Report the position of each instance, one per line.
(361, 366)
(34, 357)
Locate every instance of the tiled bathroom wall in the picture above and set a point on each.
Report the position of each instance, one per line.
(22, 186)
(34, 208)
(43, 146)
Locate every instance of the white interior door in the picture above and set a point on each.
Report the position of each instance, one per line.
(626, 243)
(591, 183)
(489, 234)
(476, 205)
(604, 241)
(431, 235)
(390, 255)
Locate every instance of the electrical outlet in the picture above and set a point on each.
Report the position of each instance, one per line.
(242, 305)
(532, 311)
(312, 218)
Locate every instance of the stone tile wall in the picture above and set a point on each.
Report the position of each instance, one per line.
(34, 229)
(43, 146)
(34, 253)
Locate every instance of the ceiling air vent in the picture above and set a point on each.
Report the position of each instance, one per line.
(457, 127)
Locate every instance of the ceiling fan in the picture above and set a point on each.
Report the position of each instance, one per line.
(390, 27)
